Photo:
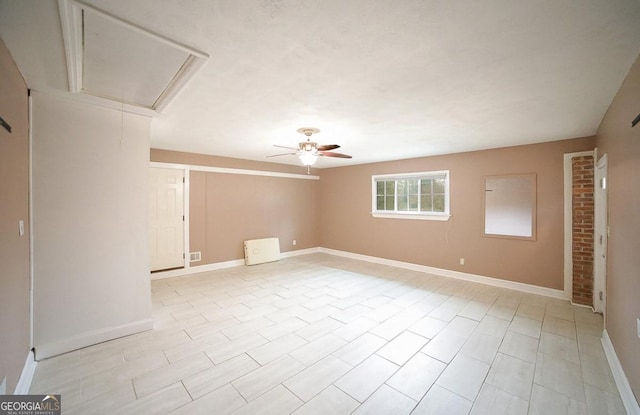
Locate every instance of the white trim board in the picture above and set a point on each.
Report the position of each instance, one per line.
(26, 377)
(186, 210)
(31, 216)
(222, 265)
(227, 170)
(181, 272)
(626, 394)
(495, 282)
(46, 350)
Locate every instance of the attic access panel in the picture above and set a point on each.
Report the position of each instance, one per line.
(110, 58)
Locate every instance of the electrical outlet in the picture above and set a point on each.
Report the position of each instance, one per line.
(461, 261)
(294, 242)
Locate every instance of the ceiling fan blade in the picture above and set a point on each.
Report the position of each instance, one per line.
(283, 154)
(327, 147)
(331, 154)
(288, 148)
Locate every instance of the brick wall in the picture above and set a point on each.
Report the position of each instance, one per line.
(583, 220)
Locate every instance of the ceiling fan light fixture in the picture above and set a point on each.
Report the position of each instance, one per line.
(308, 158)
(308, 151)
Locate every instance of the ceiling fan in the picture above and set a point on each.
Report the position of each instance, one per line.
(309, 151)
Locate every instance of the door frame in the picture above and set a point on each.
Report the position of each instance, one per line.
(600, 224)
(185, 223)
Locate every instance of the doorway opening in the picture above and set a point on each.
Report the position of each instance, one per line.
(167, 218)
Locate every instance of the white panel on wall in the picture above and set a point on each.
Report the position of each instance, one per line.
(90, 224)
(510, 205)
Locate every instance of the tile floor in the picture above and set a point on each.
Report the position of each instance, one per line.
(319, 334)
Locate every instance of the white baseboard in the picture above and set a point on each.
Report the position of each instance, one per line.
(196, 269)
(222, 265)
(590, 307)
(626, 394)
(29, 369)
(300, 252)
(496, 282)
(46, 350)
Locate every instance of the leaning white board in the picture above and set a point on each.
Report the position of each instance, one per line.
(259, 251)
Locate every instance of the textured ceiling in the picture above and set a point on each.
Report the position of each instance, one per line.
(385, 80)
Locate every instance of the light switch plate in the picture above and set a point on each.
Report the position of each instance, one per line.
(638, 322)
(21, 227)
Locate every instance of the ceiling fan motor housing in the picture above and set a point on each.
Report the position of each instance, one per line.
(308, 146)
(308, 131)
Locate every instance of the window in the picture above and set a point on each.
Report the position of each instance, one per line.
(422, 195)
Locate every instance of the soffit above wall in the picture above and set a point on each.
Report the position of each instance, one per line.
(110, 58)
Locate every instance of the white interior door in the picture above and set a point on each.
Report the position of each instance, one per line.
(600, 235)
(166, 202)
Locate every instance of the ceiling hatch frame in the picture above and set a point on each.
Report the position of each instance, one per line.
(73, 15)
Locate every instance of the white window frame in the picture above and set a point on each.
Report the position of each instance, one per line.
(441, 216)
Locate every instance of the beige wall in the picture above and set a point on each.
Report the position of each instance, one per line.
(227, 209)
(91, 224)
(14, 206)
(622, 144)
(346, 223)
